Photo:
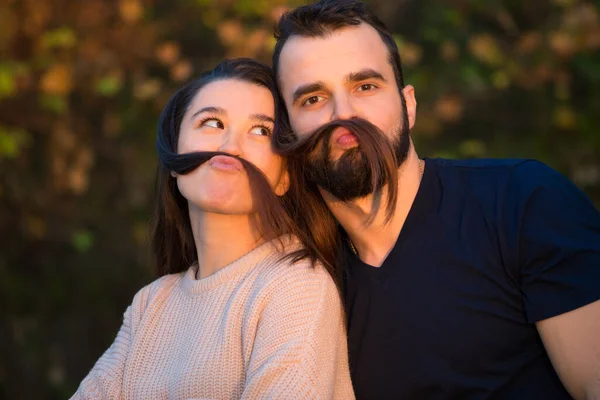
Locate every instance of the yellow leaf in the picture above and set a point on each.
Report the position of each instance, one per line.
(449, 51)
(257, 40)
(147, 89)
(500, 79)
(565, 118)
(449, 108)
(130, 10)
(562, 44)
(35, 226)
(472, 148)
(529, 42)
(485, 48)
(57, 80)
(181, 71)
(230, 32)
(411, 53)
(62, 37)
(78, 179)
(7, 82)
(167, 53)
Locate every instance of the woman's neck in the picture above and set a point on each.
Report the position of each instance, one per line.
(221, 239)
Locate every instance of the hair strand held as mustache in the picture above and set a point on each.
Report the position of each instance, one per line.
(378, 151)
(270, 214)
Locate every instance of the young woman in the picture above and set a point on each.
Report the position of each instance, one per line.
(246, 308)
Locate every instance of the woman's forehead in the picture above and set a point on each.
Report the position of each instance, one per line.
(235, 97)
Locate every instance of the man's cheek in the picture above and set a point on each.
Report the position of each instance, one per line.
(307, 123)
(298, 127)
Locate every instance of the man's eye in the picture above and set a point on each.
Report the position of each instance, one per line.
(366, 87)
(261, 131)
(213, 123)
(312, 100)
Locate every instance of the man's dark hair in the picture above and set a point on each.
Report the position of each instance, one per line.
(325, 16)
(319, 20)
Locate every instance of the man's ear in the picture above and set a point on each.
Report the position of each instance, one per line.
(284, 184)
(411, 104)
(174, 174)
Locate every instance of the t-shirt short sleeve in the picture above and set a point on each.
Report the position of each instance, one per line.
(557, 240)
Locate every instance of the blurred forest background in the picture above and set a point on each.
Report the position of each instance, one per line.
(82, 84)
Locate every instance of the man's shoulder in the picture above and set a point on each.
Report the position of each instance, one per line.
(500, 172)
(481, 164)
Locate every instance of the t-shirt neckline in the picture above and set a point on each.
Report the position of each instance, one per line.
(423, 204)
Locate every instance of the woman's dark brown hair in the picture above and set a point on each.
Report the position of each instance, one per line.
(172, 238)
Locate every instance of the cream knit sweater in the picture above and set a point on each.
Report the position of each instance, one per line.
(259, 328)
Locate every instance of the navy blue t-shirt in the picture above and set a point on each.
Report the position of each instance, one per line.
(489, 247)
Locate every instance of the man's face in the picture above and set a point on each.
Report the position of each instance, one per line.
(345, 74)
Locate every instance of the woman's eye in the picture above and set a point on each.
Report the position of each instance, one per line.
(261, 131)
(213, 123)
(366, 87)
(312, 100)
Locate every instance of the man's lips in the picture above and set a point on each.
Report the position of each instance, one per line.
(343, 137)
(225, 163)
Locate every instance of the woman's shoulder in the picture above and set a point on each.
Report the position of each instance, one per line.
(299, 292)
(283, 258)
(158, 288)
(283, 269)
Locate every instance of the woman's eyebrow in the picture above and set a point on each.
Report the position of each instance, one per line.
(262, 117)
(210, 109)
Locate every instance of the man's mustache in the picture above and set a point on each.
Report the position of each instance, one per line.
(376, 147)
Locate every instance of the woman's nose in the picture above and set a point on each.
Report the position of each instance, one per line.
(231, 143)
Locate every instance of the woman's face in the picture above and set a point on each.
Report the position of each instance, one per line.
(235, 117)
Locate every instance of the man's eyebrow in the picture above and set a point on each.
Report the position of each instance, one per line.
(210, 109)
(262, 117)
(364, 75)
(306, 89)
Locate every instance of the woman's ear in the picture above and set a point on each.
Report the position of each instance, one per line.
(284, 184)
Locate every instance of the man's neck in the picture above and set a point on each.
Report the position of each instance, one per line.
(221, 239)
(373, 242)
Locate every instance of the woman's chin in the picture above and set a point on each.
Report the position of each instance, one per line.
(224, 210)
(217, 194)
(223, 202)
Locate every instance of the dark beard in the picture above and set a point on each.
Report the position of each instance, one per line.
(351, 176)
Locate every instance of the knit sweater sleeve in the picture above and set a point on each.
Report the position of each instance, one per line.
(300, 349)
(105, 379)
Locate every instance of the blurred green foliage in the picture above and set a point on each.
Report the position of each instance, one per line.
(81, 87)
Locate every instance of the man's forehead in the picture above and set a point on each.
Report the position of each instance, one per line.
(344, 51)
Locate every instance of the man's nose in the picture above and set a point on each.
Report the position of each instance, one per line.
(344, 109)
